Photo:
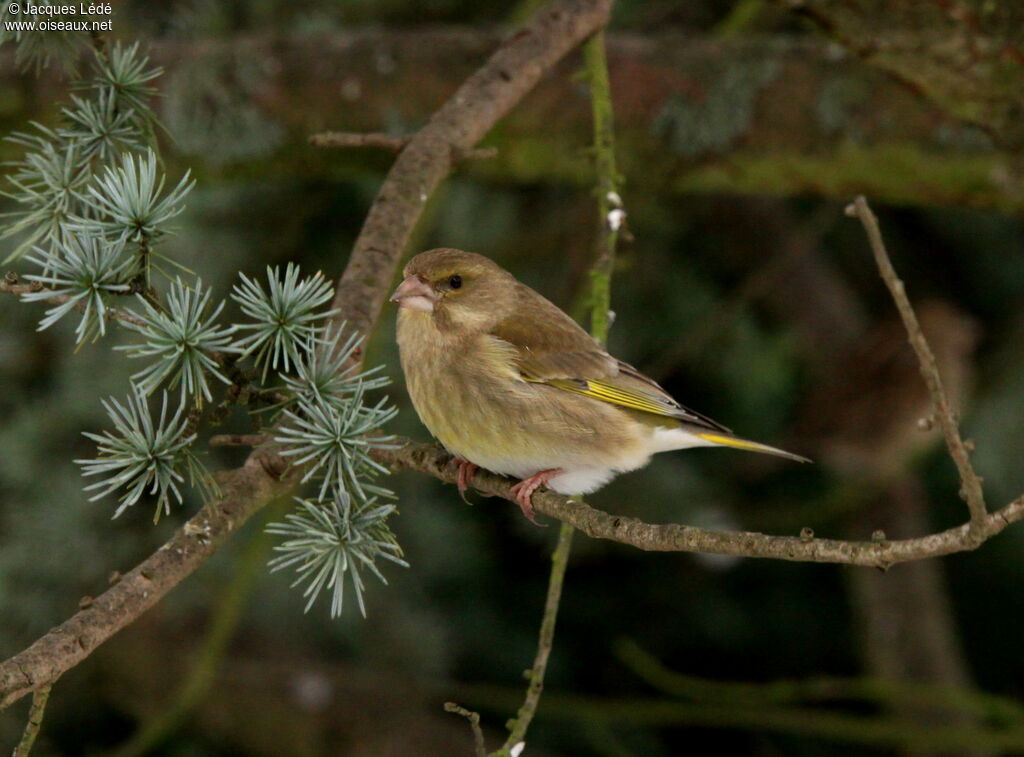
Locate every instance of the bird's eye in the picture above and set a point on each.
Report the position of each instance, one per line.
(455, 281)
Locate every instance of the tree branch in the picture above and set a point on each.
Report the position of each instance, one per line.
(815, 722)
(357, 139)
(611, 216)
(194, 686)
(246, 490)
(12, 284)
(479, 748)
(970, 483)
(460, 123)
(818, 690)
(672, 537)
(388, 142)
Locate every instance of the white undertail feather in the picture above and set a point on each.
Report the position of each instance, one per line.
(663, 439)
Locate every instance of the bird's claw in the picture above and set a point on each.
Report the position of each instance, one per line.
(524, 490)
(466, 470)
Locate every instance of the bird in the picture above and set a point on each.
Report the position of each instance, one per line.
(507, 381)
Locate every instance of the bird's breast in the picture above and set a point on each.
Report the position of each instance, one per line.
(457, 383)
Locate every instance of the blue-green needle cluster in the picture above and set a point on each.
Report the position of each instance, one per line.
(92, 207)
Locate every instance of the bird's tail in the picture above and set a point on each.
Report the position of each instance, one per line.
(718, 439)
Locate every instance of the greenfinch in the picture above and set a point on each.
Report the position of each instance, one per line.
(506, 381)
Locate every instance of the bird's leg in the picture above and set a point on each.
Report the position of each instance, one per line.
(466, 471)
(524, 490)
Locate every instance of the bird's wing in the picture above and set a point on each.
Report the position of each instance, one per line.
(552, 349)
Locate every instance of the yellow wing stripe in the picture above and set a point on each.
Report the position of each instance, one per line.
(628, 399)
(614, 395)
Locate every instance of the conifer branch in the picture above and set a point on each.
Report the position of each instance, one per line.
(501, 82)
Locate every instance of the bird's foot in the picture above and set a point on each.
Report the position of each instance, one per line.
(465, 472)
(524, 490)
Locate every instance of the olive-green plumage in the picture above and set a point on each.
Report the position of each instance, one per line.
(507, 381)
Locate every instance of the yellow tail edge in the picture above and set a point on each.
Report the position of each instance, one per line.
(731, 441)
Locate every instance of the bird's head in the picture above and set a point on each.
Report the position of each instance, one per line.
(459, 289)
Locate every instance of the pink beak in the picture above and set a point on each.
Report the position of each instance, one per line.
(415, 294)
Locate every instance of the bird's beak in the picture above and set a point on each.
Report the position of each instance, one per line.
(415, 294)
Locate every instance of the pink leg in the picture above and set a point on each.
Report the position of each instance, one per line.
(466, 471)
(524, 490)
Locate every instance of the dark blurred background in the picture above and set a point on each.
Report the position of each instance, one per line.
(743, 130)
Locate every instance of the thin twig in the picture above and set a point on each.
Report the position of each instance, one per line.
(35, 721)
(609, 204)
(559, 561)
(389, 142)
(479, 747)
(971, 490)
(11, 284)
(99, 42)
(357, 139)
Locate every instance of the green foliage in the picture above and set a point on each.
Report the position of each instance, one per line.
(123, 77)
(126, 204)
(329, 539)
(100, 128)
(331, 375)
(180, 337)
(284, 315)
(34, 49)
(329, 430)
(49, 184)
(143, 454)
(83, 176)
(91, 207)
(86, 271)
(335, 442)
